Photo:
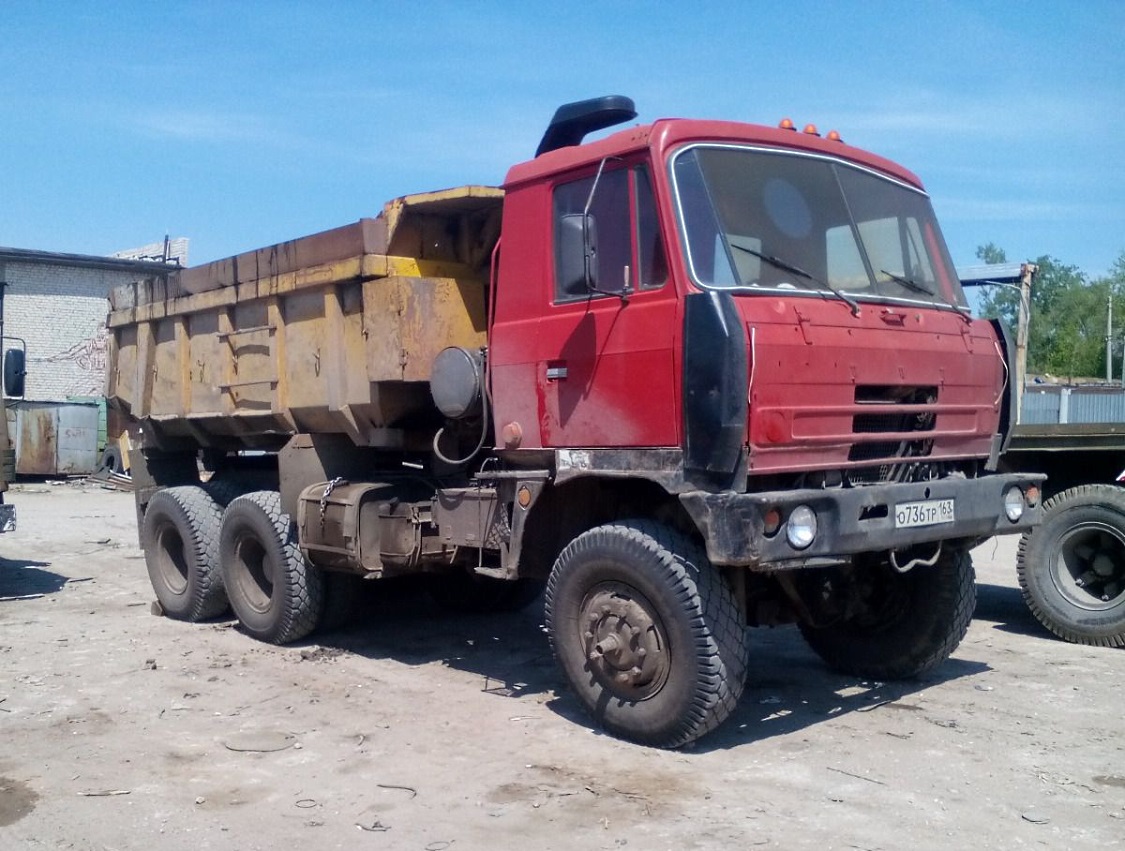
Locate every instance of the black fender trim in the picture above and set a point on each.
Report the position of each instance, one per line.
(715, 388)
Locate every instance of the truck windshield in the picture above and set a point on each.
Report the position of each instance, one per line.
(758, 219)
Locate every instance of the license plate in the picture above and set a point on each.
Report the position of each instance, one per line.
(927, 512)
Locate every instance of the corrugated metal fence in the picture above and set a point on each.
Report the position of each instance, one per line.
(1052, 404)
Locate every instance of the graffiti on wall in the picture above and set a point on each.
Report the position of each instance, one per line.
(87, 360)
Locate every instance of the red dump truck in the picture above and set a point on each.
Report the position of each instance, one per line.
(690, 377)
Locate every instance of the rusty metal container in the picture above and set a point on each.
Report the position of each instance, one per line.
(56, 438)
(335, 332)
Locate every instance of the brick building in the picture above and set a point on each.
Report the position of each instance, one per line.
(57, 304)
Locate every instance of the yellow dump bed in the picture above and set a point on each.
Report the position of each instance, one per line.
(334, 332)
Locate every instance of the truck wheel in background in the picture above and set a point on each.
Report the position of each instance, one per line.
(180, 537)
(902, 624)
(468, 593)
(1072, 566)
(647, 632)
(277, 595)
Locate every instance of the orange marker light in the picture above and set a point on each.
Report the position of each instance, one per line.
(787, 124)
(834, 136)
(811, 129)
(772, 522)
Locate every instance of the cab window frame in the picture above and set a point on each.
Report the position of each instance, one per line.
(647, 270)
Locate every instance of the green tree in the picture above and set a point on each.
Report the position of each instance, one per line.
(1063, 333)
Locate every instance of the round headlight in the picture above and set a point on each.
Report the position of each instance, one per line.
(1013, 504)
(801, 528)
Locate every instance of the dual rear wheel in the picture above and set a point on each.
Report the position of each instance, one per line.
(202, 559)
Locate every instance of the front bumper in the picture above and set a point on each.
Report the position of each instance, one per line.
(852, 520)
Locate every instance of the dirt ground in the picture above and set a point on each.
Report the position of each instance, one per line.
(415, 730)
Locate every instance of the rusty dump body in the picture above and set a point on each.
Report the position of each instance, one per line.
(331, 333)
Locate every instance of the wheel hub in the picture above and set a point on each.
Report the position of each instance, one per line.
(1090, 566)
(625, 642)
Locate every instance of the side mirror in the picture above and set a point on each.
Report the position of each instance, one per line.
(14, 372)
(578, 254)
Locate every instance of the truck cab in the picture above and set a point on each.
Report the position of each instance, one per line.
(776, 311)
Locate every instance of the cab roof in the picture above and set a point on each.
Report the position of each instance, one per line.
(667, 134)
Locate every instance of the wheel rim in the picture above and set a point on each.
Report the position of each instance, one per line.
(255, 573)
(171, 563)
(625, 641)
(1089, 566)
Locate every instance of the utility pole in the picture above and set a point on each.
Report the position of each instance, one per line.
(1027, 272)
(1109, 340)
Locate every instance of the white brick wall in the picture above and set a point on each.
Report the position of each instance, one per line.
(60, 312)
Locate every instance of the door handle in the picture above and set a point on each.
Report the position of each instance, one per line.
(556, 373)
(892, 317)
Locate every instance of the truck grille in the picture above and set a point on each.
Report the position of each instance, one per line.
(917, 414)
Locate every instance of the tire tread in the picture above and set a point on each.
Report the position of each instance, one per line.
(303, 601)
(202, 519)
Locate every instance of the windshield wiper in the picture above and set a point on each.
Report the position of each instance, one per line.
(797, 270)
(909, 283)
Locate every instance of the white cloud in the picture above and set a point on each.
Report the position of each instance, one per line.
(189, 125)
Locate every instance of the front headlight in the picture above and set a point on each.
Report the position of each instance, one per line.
(801, 528)
(1013, 504)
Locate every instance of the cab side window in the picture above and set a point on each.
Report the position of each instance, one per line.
(629, 251)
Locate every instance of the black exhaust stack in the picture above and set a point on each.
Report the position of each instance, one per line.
(573, 121)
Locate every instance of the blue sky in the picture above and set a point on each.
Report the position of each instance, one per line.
(241, 124)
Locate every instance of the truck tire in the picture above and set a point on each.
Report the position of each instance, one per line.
(466, 593)
(647, 633)
(905, 623)
(180, 537)
(1072, 566)
(111, 459)
(224, 491)
(277, 596)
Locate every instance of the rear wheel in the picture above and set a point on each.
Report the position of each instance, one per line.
(277, 595)
(897, 625)
(1072, 566)
(180, 537)
(647, 633)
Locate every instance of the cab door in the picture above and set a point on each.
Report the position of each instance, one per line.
(606, 365)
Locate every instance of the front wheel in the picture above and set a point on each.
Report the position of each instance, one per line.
(1072, 566)
(277, 596)
(897, 625)
(647, 633)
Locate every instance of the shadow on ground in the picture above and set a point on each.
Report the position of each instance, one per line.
(788, 687)
(1005, 608)
(23, 578)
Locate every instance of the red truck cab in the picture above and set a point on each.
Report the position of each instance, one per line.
(778, 312)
